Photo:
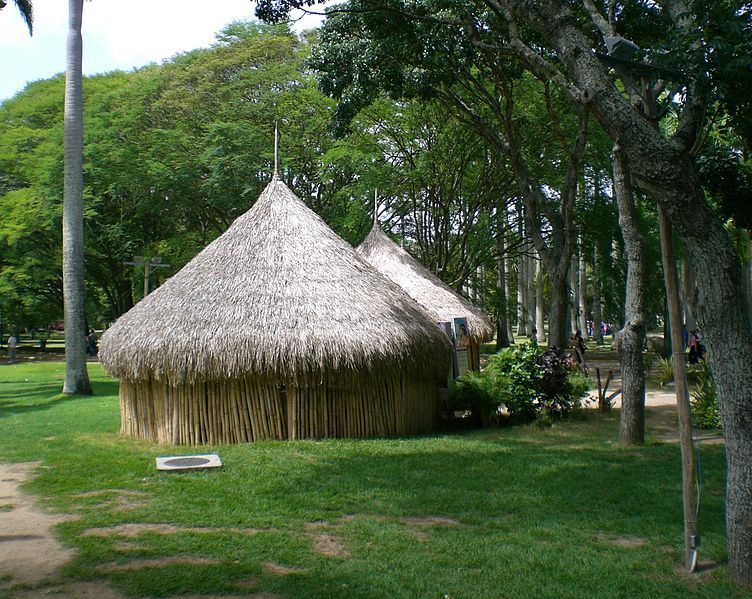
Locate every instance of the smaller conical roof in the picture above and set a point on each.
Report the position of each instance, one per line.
(430, 292)
(279, 294)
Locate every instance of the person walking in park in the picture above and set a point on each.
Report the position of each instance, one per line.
(12, 345)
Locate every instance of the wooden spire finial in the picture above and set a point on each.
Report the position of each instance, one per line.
(375, 206)
(276, 149)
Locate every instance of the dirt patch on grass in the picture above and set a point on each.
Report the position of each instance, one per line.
(83, 590)
(316, 524)
(329, 546)
(280, 570)
(127, 547)
(430, 521)
(28, 552)
(626, 542)
(159, 562)
(135, 529)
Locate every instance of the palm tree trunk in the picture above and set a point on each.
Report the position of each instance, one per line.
(76, 375)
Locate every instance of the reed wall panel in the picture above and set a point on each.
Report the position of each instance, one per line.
(248, 410)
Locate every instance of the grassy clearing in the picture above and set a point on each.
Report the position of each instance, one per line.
(521, 512)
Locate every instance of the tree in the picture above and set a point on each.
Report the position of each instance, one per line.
(561, 41)
(76, 374)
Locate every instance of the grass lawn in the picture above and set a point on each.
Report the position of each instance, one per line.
(563, 512)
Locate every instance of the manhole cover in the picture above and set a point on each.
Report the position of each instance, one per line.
(186, 462)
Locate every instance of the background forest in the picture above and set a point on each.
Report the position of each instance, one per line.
(175, 152)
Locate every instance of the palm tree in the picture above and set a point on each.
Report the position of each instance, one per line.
(24, 7)
(76, 375)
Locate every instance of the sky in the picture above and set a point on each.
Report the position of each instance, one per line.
(116, 34)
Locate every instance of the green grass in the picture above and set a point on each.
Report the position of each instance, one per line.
(527, 513)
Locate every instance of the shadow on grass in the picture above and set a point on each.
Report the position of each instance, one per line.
(33, 396)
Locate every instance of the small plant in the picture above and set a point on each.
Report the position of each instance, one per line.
(474, 392)
(665, 370)
(705, 412)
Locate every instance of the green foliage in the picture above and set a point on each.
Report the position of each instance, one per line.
(475, 392)
(705, 412)
(665, 370)
(526, 382)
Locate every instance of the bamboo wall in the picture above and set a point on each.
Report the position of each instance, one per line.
(473, 355)
(246, 410)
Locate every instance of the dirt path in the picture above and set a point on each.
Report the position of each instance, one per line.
(28, 552)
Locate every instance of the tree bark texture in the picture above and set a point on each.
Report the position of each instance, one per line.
(689, 294)
(574, 294)
(582, 295)
(558, 323)
(502, 324)
(530, 292)
(540, 308)
(76, 374)
(631, 338)
(521, 296)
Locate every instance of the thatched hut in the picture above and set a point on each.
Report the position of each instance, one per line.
(441, 302)
(276, 330)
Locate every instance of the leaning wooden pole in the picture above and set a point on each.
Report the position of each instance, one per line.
(691, 540)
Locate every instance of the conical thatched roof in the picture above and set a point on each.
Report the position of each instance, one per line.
(279, 294)
(433, 295)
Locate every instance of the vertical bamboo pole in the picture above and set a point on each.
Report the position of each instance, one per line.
(682, 393)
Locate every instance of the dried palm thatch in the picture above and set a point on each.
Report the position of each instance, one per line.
(277, 329)
(431, 293)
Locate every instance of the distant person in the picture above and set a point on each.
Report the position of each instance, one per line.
(577, 343)
(12, 345)
(91, 343)
(694, 347)
(685, 335)
(534, 338)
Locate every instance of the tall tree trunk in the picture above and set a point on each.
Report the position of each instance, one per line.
(540, 308)
(507, 294)
(582, 292)
(574, 293)
(631, 338)
(689, 293)
(531, 307)
(521, 275)
(597, 305)
(502, 324)
(76, 375)
(558, 323)
(747, 276)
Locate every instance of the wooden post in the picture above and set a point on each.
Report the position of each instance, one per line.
(691, 540)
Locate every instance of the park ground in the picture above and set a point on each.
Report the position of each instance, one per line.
(559, 512)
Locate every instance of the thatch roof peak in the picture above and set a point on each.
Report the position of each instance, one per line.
(436, 297)
(279, 294)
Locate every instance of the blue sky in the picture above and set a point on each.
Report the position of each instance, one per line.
(117, 35)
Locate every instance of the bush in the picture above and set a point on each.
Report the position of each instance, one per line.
(527, 382)
(474, 392)
(705, 412)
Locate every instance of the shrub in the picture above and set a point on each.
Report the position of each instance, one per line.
(528, 382)
(474, 392)
(705, 412)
